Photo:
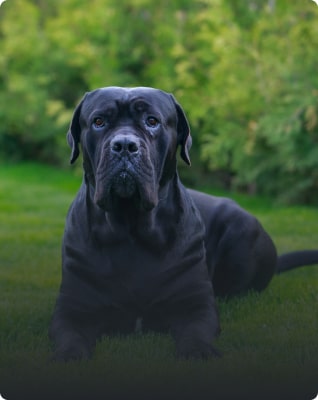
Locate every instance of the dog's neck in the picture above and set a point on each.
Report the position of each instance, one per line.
(135, 224)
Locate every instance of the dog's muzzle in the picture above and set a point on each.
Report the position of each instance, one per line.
(125, 172)
(125, 148)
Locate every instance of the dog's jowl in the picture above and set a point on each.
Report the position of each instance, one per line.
(138, 246)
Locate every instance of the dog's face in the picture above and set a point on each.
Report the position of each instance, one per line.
(129, 139)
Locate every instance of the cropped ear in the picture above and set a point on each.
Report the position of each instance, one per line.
(74, 133)
(184, 137)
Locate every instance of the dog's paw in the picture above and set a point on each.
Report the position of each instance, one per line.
(72, 348)
(70, 354)
(198, 350)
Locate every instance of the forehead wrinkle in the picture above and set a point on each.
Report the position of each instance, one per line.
(100, 99)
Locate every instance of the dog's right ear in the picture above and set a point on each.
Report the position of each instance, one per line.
(74, 133)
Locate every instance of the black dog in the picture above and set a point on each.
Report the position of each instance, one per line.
(137, 244)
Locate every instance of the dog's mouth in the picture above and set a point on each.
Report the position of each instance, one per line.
(124, 185)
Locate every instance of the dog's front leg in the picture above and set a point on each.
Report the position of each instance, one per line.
(71, 340)
(194, 332)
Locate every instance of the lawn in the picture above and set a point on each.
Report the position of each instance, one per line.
(269, 341)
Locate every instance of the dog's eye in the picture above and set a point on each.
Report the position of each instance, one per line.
(152, 122)
(99, 122)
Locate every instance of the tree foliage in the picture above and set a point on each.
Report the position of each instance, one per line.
(245, 73)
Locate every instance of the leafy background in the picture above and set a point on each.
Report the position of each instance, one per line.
(245, 73)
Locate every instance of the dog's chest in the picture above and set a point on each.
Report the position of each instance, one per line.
(134, 263)
(140, 276)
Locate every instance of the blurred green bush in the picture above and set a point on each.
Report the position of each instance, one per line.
(245, 72)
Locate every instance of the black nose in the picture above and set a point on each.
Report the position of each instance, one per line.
(125, 144)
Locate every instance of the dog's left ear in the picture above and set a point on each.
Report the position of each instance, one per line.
(74, 133)
(184, 137)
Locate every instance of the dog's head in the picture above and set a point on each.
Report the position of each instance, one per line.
(129, 139)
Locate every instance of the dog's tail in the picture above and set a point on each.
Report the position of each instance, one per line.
(288, 261)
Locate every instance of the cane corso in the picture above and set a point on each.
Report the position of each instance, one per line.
(139, 246)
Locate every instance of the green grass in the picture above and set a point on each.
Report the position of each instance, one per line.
(269, 341)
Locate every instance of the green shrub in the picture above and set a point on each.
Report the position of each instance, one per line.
(244, 73)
